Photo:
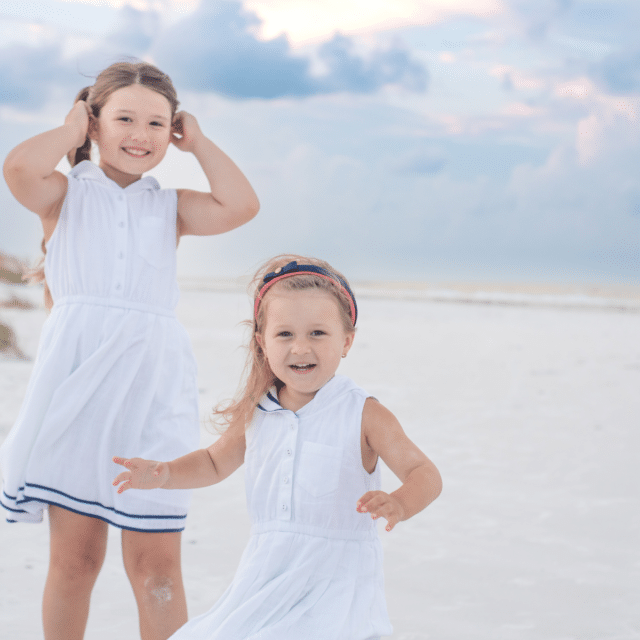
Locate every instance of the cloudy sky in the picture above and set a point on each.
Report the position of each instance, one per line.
(396, 138)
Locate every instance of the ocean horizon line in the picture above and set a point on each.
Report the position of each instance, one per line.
(616, 297)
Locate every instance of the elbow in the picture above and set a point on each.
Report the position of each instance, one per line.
(11, 168)
(18, 170)
(437, 485)
(433, 481)
(246, 213)
(252, 208)
(242, 212)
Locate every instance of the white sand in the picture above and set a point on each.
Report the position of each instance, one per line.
(532, 414)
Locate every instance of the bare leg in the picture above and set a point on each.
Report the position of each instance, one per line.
(77, 548)
(152, 563)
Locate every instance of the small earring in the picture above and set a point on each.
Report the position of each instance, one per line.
(344, 355)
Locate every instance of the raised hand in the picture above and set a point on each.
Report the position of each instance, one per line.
(185, 130)
(381, 505)
(141, 474)
(78, 119)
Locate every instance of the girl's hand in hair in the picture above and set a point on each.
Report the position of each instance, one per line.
(185, 131)
(141, 474)
(78, 120)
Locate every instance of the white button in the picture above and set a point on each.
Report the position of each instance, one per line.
(293, 426)
(284, 507)
(289, 452)
(118, 286)
(285, 480)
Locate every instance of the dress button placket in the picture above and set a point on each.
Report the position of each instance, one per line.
(120, 246)
(286, 468)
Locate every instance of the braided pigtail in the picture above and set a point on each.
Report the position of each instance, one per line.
(75, 156)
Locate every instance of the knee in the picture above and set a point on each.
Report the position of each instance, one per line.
(155, 572)
(76, 565)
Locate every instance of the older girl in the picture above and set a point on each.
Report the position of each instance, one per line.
(114, 370)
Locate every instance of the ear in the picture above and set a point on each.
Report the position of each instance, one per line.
(348, 342)
(259, 341)
(92, 130)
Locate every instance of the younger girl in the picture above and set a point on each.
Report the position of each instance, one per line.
(311, 440)
(114, 370)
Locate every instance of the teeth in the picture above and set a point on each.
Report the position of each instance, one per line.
(136, 152)
(302, 367)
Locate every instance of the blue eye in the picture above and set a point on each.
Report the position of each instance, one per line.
(318, 332)
(125, 119)
(157, 124)
(284, 334)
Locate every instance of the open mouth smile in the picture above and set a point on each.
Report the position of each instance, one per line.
(302, 368)
(135, 153)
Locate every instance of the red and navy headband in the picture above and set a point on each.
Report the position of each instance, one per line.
(293, 269)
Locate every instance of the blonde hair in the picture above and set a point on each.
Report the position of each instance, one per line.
(116, 76)
(257, 377)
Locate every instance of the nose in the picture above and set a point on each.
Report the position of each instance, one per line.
(300, 346)
(140, 133)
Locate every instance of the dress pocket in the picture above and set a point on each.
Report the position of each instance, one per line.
(319, 469)
(152, 243)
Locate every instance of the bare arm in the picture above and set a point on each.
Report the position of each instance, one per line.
(231, 201)
(29, 169)
(200, 468)
(421, 481)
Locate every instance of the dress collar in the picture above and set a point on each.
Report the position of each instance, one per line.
(87, 170)
(336, 386)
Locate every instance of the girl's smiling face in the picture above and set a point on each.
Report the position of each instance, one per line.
(133, 132)
(303, 340)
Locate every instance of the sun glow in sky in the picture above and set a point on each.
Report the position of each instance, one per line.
(313, 20)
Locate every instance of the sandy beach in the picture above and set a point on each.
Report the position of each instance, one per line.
(530, 408)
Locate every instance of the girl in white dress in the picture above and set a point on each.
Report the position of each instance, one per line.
(311, 440)
(114, 370)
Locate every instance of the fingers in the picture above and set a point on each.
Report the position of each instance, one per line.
(122, 461)
(380, 505)
(124, 486)
(125, 476)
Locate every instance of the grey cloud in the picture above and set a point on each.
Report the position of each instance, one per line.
(424, 163)
(352, 73)
(27, 74)
(537, 16)
(135, 31)
(215, 50)
(619, 72)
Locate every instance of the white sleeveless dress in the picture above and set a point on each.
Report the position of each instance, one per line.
(114, 373)
(312, 569)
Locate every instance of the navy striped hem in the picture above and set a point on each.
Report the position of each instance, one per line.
(95, 504)
(93, 515)
(4, 506)
(14, 498)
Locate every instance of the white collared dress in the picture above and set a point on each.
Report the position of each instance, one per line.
(114, 373)
(312, 569)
